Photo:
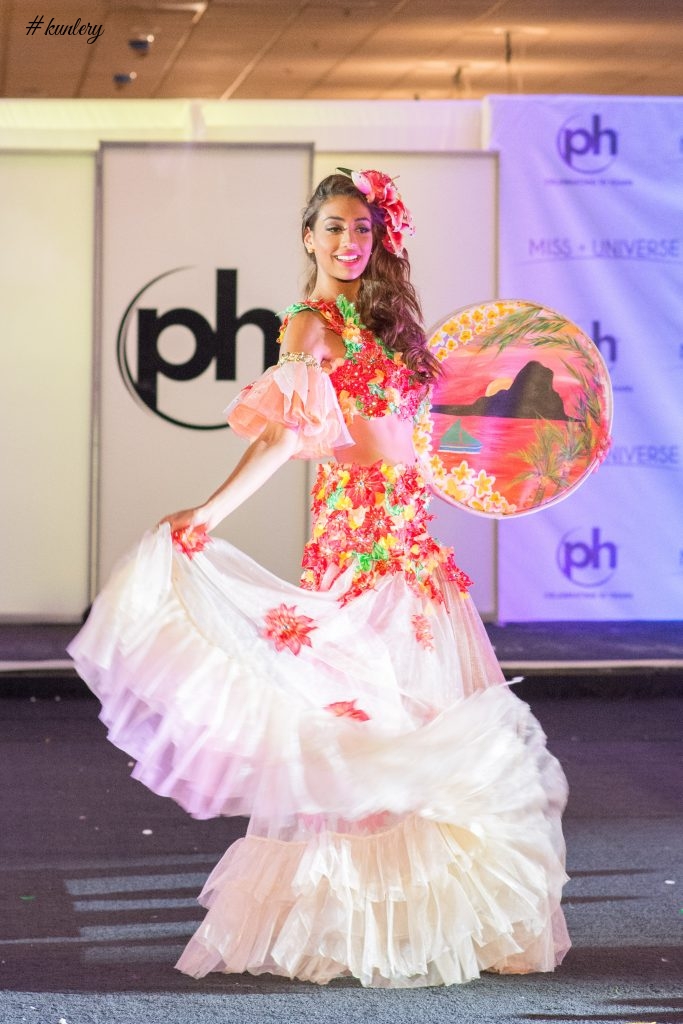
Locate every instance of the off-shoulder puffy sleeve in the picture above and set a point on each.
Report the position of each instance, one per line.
(298, 394)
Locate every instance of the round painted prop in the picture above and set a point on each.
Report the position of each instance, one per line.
(523, 410)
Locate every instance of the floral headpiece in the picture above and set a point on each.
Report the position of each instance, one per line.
(379, 188)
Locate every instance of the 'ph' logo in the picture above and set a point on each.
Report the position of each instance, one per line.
(606, 344)
(146, 370)
(587, 564)
(587, 150)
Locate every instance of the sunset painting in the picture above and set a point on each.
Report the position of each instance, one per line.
(521, 413)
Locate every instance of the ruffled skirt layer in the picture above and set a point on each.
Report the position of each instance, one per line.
(404, 809)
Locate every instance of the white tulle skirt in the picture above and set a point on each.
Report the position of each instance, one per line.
(404, 811)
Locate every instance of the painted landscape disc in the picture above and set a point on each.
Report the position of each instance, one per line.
(522, 412)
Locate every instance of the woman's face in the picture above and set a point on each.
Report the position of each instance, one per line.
(341, 239)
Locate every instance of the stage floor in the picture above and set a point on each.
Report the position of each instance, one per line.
(99, 879)
(599, 650)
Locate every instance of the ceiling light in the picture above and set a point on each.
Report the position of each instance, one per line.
(141, 43)
(121, 78)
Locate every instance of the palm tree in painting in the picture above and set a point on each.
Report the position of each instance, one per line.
(550, 457)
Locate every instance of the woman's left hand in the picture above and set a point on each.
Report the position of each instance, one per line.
(187, 519)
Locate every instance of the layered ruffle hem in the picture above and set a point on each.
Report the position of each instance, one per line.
(405, 813)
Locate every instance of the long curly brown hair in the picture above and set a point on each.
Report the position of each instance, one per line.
(387, 302)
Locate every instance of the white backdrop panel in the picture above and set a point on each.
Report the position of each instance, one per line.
(201, 216)
(46, 269)
(453, 256)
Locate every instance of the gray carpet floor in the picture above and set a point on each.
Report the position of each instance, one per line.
(99, 879)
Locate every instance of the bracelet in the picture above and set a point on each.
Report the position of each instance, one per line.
(298, 357)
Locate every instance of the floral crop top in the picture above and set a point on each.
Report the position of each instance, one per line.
(372, 381)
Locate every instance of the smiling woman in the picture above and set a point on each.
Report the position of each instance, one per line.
(404, 812)
(340, 241)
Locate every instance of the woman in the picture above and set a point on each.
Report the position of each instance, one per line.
(404, 812)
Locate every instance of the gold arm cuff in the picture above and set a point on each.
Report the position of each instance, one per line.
(298, 357)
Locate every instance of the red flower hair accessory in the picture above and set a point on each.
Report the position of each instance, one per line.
(379, 189)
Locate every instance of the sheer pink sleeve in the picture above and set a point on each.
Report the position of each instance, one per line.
(298, 394)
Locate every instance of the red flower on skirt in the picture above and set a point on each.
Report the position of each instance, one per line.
(287, 629)
(423, 632)
(348, 709)
(190, 539)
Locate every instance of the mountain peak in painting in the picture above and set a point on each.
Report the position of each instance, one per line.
(530, 396)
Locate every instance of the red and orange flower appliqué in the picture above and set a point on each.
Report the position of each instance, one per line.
(190, 540)
(423, 631)
(285, 629)
(374, 519)
(348, 709)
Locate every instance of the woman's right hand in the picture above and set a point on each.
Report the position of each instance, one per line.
(189, 530)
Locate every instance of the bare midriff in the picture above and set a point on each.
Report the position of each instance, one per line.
(386, 439)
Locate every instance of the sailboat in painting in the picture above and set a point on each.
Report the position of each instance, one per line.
(457, 439)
